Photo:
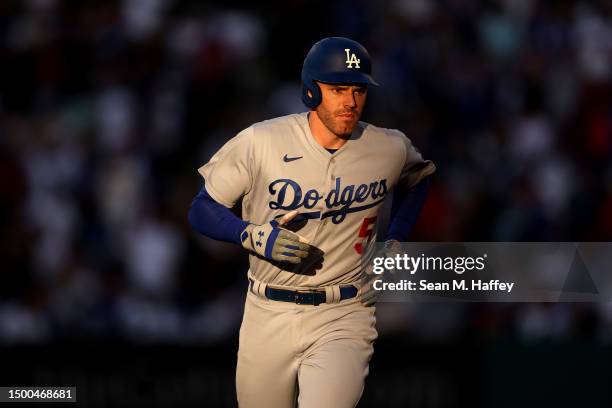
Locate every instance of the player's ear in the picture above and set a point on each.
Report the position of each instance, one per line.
(309, 93)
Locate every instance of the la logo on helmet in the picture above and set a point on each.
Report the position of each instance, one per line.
(351, 59)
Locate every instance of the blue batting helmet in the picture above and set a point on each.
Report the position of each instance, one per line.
(334, 60)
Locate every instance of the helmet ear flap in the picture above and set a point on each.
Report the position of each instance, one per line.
(313, 100)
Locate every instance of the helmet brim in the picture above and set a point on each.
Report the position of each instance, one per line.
(347, 78)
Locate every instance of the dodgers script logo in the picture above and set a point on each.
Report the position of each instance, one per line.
(351, 59)
(339, 201)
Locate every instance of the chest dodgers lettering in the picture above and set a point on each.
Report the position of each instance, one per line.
(288, 195)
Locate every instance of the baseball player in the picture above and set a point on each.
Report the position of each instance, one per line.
(311, 186)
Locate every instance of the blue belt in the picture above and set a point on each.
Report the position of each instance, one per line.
(315, 297)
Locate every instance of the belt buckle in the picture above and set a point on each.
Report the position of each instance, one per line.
(300, 298)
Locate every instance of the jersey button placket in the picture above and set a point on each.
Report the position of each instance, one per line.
(330, 171)
(331, 185)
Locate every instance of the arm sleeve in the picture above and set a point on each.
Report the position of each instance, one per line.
(229, 174)
(214, 220)
(415, 167)
(405, 209)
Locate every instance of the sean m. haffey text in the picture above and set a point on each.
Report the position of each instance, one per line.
(411, 264)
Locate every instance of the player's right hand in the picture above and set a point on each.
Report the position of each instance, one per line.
(274, 242)
(367, 294)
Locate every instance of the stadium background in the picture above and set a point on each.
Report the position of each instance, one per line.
(107, 108)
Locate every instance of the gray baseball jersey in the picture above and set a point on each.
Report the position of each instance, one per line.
(277, 166)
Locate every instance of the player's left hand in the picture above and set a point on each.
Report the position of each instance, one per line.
(369, 295)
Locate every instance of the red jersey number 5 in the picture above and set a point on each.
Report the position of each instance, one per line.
(365, 233)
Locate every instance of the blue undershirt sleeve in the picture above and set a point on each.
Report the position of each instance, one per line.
(214, 220)
(405, 209)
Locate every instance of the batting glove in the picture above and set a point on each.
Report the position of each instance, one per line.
(273, 242)
(369, 295)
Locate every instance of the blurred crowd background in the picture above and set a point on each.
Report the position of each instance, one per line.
(107, 109)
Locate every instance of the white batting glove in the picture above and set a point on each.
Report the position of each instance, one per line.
(369, 295)
(273, 242)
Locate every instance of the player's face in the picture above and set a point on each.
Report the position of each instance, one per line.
(341, 107)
